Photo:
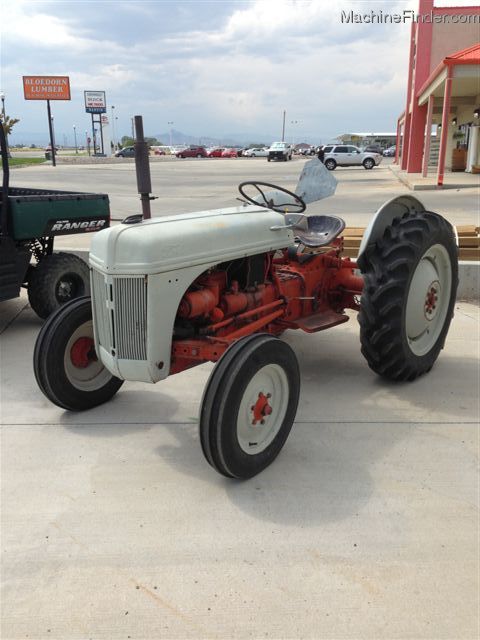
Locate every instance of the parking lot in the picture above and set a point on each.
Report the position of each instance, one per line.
(366, 526)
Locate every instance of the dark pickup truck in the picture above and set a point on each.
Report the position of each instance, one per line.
(30, 219)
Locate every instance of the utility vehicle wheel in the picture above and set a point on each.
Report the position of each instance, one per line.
(268, 159)
(330, 164)
(199, 155)
(411, 278)
(65, 363)
(249, 406)
(368, 163)
(57, 278)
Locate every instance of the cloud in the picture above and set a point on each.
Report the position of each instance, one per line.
(213, 67)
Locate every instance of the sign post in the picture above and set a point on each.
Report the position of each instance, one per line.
(96, 104)
(47, 88)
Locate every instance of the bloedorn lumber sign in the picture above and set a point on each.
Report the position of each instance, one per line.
(46, 87)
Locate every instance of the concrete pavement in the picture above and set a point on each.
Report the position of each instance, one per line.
(114, 526)
(366, 526)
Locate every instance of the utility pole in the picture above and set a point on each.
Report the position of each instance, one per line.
(170, 125)
(283, 127)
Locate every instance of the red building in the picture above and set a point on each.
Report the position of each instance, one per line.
(443, 92)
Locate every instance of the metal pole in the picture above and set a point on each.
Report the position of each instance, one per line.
(93, 136)
(170, 124)
(283, 127)
(101, 133)
(113, 126)
(52, 140)
(75, 137)
(142, 165)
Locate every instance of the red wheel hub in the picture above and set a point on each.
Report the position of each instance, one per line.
(261, 408)
(431, 300)
(83, 353)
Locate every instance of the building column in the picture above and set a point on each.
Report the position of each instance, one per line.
(406, 141)
(397, 142)
(472, 148)
(428, 136)
(417, 138)
(444, 134)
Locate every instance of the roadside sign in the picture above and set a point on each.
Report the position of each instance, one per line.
(95, 102)
(104, 119)
(46, 87)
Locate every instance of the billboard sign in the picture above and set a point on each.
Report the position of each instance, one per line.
(46, 87)
(95, 102)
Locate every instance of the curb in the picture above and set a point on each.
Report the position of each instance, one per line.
(428, 187)
(468, 276)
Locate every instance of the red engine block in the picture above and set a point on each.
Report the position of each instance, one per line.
(300, 291)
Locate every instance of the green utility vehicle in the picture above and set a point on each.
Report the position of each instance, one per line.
(29, 221)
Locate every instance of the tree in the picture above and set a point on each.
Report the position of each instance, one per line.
(8, 123)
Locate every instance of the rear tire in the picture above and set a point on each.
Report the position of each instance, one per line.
(249, 406)
(65, 363)
(57, 279)
(330, 164)
(411, 279)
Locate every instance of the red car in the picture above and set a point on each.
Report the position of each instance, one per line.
(230, 153)
(192, 151)
(216, 153)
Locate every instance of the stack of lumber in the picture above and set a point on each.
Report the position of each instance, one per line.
(468, 238)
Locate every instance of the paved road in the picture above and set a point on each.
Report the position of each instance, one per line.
(114, 526)
(194, 185)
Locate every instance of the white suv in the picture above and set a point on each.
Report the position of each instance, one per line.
(342, 155)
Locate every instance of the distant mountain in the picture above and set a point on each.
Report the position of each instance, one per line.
(230, 139)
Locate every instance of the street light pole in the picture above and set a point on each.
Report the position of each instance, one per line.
(294, 122)
(75, 137)
(113, 127)
(2, 98)
(170, 125)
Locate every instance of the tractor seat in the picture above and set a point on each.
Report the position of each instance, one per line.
(319, 231)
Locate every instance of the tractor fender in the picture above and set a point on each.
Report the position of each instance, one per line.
(394, 208)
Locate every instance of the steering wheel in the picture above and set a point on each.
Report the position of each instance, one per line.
(299, 205)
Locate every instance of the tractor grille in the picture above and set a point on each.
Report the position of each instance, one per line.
(120, 308)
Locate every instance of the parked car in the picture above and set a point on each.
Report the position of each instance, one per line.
(215, 152)
(193, 151)
(230, 153)
(126, 152)
(374, 148)
(257, 152)
(390, 152)
(342, 155)
(280, 151)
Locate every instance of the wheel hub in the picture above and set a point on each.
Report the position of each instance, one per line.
(432, 300)
(65, 289)
(82, 353)
(261, 409)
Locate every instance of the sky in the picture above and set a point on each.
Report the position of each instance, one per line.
(213, 68)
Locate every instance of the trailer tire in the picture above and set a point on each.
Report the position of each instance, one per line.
(408, 299)
(64, 361)
(257, 370)
(57, 279)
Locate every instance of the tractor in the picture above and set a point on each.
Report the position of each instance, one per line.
(222, 286)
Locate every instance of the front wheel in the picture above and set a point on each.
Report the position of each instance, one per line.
(65, 363)
(368, 163)
(249, 406)
(411, 278)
